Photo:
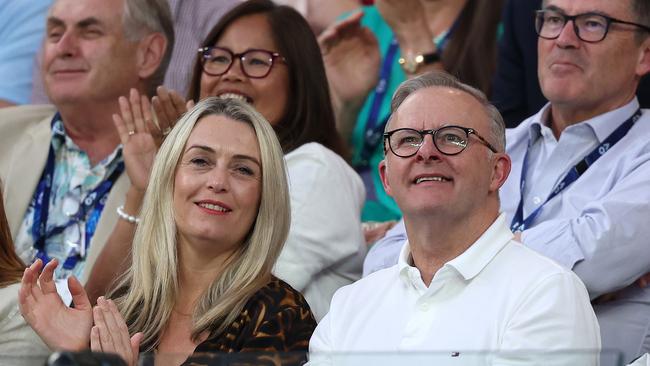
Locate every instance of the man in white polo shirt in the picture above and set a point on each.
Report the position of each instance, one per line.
(461, 282)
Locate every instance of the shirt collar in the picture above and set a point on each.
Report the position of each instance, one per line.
(61, 139)
(58, 132)
(472, 261)
(537, 122)
(606, 123)
(602, 125)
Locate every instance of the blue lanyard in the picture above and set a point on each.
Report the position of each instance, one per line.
(519, 223)
(374, 126)
(89, 211)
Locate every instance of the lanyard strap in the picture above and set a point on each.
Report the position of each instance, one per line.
(89, 210)
(519, 223)
(374, 126)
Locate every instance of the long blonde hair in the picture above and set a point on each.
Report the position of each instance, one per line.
(146, 294)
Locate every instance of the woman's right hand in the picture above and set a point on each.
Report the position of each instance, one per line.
(59, 326)
(169, 106)
(352, 59)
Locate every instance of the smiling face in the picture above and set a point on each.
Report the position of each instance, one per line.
(218, 184)
(430, 182)
(592, 76)
(269, 94)
(85, 54)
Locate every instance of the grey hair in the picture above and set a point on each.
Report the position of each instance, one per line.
(443, 79)
(147, 292)
(142, 17)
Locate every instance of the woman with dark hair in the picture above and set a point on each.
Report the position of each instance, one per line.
(372, 52)
(307, 115)
(17, 340)
(267, 56)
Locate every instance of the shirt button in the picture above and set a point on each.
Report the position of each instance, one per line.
(537, 200)
(424, 306)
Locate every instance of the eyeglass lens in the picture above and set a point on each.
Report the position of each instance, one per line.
(449, 140)
(589, 27)
(255, 63)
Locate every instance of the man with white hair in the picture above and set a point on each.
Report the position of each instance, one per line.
(62, 164)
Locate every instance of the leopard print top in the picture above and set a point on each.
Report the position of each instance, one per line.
(276, 319)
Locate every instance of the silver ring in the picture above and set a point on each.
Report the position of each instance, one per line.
(166, 131)
(131, 133)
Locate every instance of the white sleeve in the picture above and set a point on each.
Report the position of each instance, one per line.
(326, 201)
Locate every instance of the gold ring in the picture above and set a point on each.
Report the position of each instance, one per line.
(166, 131)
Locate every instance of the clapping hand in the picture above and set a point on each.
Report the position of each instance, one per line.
(169, 106)
(134, 127)
(140, 135)
(59, 326)
(111, 335)
(352, 59)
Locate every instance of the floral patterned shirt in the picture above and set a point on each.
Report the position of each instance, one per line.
(74, 178)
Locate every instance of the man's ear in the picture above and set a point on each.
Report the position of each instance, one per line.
(151, 51)
(384, 178)
(643, 64)
(501, 165)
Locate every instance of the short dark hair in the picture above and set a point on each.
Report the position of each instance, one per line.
(309, 116)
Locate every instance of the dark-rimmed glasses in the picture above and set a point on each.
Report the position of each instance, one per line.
(254, 63)
(449, 140)
(589, 27)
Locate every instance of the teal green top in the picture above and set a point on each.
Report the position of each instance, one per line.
(379, 206)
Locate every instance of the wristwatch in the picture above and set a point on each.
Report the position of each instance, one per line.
(410, 64)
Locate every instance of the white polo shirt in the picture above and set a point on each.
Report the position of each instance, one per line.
(496, 296)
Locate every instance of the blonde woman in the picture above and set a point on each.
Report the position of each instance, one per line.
(214, 218)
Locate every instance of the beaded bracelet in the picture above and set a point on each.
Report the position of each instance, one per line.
(126, 217)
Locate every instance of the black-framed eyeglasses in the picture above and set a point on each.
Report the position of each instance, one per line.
(254, 63)
(589, 27)
(449, 140)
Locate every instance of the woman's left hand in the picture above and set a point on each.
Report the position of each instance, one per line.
(111, 335)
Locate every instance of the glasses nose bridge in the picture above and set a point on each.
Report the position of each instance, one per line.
(240, 57)
(233, 58)
(424, 134)
(574, 25)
